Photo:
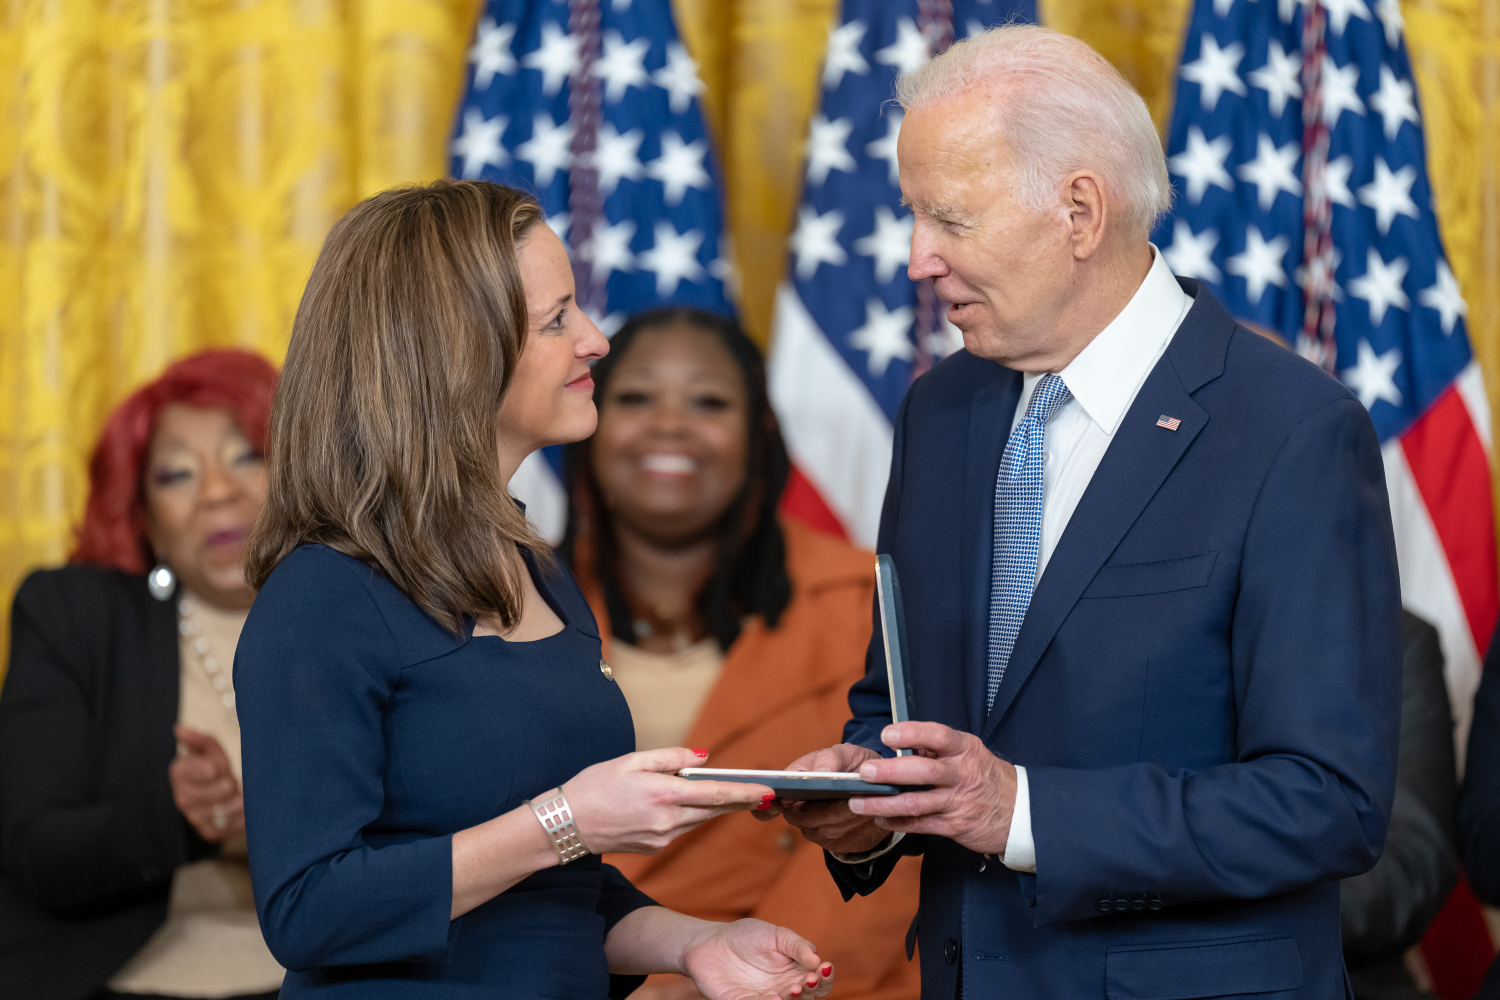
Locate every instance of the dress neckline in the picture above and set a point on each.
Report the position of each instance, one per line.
(471, 623)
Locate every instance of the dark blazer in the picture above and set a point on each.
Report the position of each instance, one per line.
(1205, 691)
(89, 836)
(1387, 909)
(370, 736)
(1479, 803)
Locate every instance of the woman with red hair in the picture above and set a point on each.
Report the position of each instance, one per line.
(122, 849)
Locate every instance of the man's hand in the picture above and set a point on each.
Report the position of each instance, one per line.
(973, 793)
(830, 824)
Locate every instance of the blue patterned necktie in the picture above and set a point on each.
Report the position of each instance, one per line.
(1018, 525)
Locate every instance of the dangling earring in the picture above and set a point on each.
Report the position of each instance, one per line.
(162, 582)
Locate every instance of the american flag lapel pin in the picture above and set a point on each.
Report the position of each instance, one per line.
(1170, 423)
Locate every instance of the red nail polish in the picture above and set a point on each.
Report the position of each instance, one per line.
(700, 753)
(768, 797)
(827, 971)
(763, 805)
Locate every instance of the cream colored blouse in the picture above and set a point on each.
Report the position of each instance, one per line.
(665, 691)
(211, 945)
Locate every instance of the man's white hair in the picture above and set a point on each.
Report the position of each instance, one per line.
(1063, 107)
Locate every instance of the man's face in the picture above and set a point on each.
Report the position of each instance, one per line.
(1004, 267)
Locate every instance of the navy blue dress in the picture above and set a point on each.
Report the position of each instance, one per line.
(370, 736)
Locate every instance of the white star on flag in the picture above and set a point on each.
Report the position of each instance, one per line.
(674, 258)
(843, 54)
(1271, 170)
(490, 53)
(1394, 103)
(679, 78)
(1371, 377)
(1389, 12)
(885, 335)
(549, 149)
(1389, 194)
(1215, 71)
(556, 57)
(1336, 181)
(884, 148)
(622, 65)
(1279, 77)
(480, 143)
(1339, 12)
(1260, 263)
(1202, 163)
(1444, 296)
(1193, 256)
(1339, 91)
(679, 167)
(889, 243)
(816, 240)
(1380, 285)
(616, 157)
(827, 149)
(608, 249)
(908, 52)
(559, 224)
(1285, 9)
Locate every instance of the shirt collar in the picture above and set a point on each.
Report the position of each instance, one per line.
(1106, 374)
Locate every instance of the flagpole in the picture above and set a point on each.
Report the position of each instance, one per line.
(1316, 341)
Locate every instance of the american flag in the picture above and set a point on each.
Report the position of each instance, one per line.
(851, 330)
(1302, 201)
(593, 106)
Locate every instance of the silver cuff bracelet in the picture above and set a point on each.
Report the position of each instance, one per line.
(557, 819)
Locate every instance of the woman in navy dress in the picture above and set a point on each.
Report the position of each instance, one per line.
(434, 753)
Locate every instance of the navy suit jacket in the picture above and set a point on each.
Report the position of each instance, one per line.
(1205, 690)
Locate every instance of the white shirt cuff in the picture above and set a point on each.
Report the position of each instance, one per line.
(1020, 849)
(868, 856)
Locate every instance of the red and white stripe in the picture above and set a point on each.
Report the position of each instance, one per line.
(1438, 476)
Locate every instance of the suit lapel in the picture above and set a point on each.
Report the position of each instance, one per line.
(990, 417)
(1132, 470)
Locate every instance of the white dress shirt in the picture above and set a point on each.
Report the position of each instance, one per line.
(1104, 379)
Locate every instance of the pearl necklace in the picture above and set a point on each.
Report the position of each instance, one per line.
(202, 654)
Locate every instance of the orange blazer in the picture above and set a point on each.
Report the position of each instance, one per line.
(783, 693)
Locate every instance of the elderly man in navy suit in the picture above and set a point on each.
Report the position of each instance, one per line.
(1149, 575)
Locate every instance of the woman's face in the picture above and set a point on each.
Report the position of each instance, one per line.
(551, 396)
(204, 486)
(674, 430)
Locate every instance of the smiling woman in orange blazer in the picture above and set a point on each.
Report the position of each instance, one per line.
(727, 629)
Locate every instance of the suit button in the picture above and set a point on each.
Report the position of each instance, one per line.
(950, 951)
(1154, 903)
(1137, 901)
(1122, 904)
(1105, 905)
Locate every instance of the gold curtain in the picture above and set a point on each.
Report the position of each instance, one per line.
(168, 169)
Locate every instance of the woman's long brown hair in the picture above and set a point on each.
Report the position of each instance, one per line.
(383, 432)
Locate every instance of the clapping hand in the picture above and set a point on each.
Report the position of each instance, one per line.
(203, 786)
(751, 960)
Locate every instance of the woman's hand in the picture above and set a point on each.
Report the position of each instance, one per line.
(635, 804)
(203, 786)
(753, 959)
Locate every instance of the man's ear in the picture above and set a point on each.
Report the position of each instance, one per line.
(1083, 199)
